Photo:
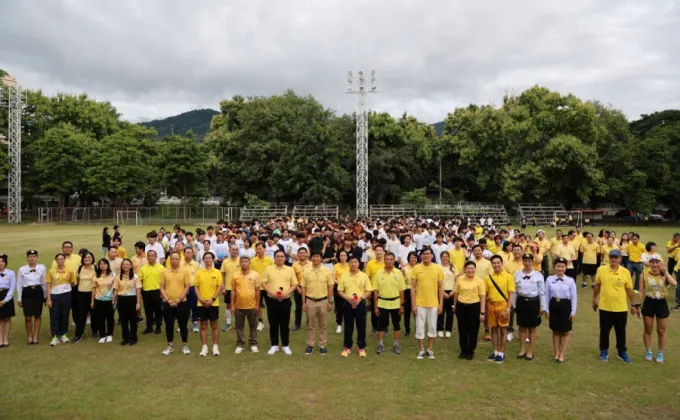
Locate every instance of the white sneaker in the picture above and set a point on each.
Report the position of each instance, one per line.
(73, 324)
(421, 354)
(109, 338)
(195, 327)
(273, 350)
(526, 341)
(510, 337)
(254, 349)
(102, 340)
(260, 326)
(440, 334)
(63, 339)
(88, 322)
(448, 334)
(216, 350)
(287, 351)
(55, 341)
(204, 351)
(177, 329)
(168, 350)
(339, 329)
(238, 350)
(430, 354)
(185, 349)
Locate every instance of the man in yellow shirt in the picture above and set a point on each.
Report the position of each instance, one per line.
(258, 264)
(500, 287)
(457, 254)
(589, 251)
(544, 246)
(388, 301)
(229, 267)
(245, 304)
(191, 266)
(354, 287)
(299, 266)
(427, 295)
(279, 283)
(174, 286)
(636, 267)
(140, 257)
(372, 267)
(208, 285)
(150, 276)
(483, 265)
(317, 292)
(566, 250)
(613, 286)
(557, 240)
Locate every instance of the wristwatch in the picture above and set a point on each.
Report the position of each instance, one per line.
(482, 313)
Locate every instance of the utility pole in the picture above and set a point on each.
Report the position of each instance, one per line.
(358, 85)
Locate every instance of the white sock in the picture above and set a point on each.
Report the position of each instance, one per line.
(228, 316)
(495, 353)
(501, 354)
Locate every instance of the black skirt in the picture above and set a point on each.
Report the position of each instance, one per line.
(560, 310)
(7, 310)
(527, 311)
(33, 299)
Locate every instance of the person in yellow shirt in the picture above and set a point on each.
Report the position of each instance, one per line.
(245, 304)
(114, 260)
(299, 266)
(613, 285)
(339, 270)
(259, 263)
(407, 269)
(208, 286)
(127, 297)
(174, 286)
(604, 251)
(191, 266)
(506, 252)
(544, 247)
(140, 257)
(512, 267)
(566, 250)
(60, 281)
(673, 250)
(388, 300)
(445, 319)
(102, 302)
(120, 250)
(499, 288)
(483, 265)
(635, 250)
(317, 290)
(469, 304)
(557, 240)
(150, 276)
(372, 267)
(653, 286)
(575, 241)
(427, 295)
(85, 276)
(457, 254)
(229, 266)
(354, 288)
(279, 283)
(179, 248)
(589, 251)
(72, 262)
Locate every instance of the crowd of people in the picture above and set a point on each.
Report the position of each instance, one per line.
(393, 271)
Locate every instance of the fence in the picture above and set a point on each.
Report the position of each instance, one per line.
(543, 214)
(148, 215)
(316, 211)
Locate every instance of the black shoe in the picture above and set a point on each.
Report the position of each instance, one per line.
(521, 356)
(140, 320)
(461, 356)
(133, 342)
(95, 335)
(158, 330)
(77, 340)
(124, 343)
(374, 333)
(295, 328)
(309, 350)
(528, 359)
(407, 333)
(469, 357)
(147, 331)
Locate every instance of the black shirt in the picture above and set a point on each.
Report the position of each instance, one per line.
(106, 240)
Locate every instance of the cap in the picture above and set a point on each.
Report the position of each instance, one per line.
(561, 260)
(527, 256)
(224, 229)
(654, 257)
(540, 231)
(614, 253)
(31, 252)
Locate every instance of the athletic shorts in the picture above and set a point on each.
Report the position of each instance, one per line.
(227, 298)
(211, 313)
(655, 308)
(589, 269)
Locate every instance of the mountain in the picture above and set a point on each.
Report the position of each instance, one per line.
(439, 127)
(197, 120)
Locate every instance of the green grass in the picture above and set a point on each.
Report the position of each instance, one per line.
(89, 380)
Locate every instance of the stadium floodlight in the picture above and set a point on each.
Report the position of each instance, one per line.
(357, 86)
(12, 97)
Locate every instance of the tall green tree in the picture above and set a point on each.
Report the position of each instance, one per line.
(184, 168)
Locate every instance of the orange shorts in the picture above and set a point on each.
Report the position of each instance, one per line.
(496, 314)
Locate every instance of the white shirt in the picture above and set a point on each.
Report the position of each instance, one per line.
(221, 251)
(393, 246)
(212, 239)
(489, 221)
(487, 254)
(428, 239)
(160, 251)
(250, 253)
(27, 277)
(418, 238)
(286, 248)
(646, 256)
(529, 285)
(239, 243)
(270, 250)
(404, 251)
(437, 250)
(295, 247)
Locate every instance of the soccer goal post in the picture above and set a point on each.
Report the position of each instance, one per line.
(128, 217)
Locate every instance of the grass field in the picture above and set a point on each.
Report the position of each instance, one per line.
(93, 381)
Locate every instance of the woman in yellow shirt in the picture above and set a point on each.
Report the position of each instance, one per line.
(448, 283)
(127, 296)
(85, 276)
(623, 245)
(101, 302)
(412, 259)
(653, 287)
(338, 270)
(469, 301)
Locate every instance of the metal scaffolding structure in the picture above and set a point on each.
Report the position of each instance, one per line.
(12, 98)
(359, 85)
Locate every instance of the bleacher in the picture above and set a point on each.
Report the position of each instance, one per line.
(438, 210)
(263, 213)
(383, 211)
(475, 211)
(323, 211)
(545, 213)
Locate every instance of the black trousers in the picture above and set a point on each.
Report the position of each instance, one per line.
(74, 302)
(352, 316)
(618, 320)
(278, 315)
(179, 313)
(298, 308)
(102, 318)
(127, 314)
(152, 308)
(671, 265)
(83, 308)
(468, 326)
(447, 314)
(374, 317)
(339, 305)
(407, 311)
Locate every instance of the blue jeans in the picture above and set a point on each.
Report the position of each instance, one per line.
(192, 299)
(625, 261)
(636, 269)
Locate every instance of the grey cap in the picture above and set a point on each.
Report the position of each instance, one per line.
(614, 253)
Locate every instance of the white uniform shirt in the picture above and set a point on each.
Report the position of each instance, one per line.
(530, 285)
(27, 277)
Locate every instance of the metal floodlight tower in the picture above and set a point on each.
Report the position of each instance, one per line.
(360, 85)
(15, 104)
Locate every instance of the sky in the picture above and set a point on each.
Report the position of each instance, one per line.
(157, 58)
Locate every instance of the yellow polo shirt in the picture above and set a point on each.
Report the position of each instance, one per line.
(372, 267)
(57, 277)
(339, 270)
(483, 267)
(354, 284)
(408, 270)
(635, 252)
(675, 253)
(389, 285)
(613, 286)
(168, 262)
(127, 286)
(544, 245)
(299, 268)
(206, 284)
(457, 259)
(72, 262)
(175, 281)
(505, 281)
(568, 252)
(192, 268)
(122, 253)
(470, 290)
(427, 278)
(260, 264)
(138, 263)
(86, 279)
(553, 244)
(279, 278)
(245, 287)
(590, 252)
(316, 281)
(150, 276)
(229, 267)
(512, 266)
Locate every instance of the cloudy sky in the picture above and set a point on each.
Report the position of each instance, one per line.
(156, 58)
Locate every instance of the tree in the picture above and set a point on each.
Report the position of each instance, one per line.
(184, 168)
(417, 197)
(647, 122)
(4, 162)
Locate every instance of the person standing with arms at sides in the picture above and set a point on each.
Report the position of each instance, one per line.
(245, 304)
(529, 303)
(192, 267)
(562, 299)
(220, 250)
(623, 244)
(499, 289)
(635, 250)
(653, 287)
(449, 281)
(85, 276)
(175, 282)
(7, 286)
(469, 304)
(31, 293)
(394, 244)
(544, 246)
(405, 249)
(106, 240)
(299, 266)
(101, 302)
(427, 295)
(339, 270)
(604, 251)
(114, 260)
(153, 244)
(483, 270)
(673, 249)
(589, 250)
(127, 296)
(438, 247)
(612, 285)
(72, 262)
(554, 242)
(208, 286)
(140, 257)
(259, 263)
(354, 288)
(149, 278)
(388, 301)
(317, 291)
(328, 253)
(457, 254)
(229, 266)
(206, 248)
(566, 251)
(407, 271)
(372, 267)
(506, 252)
(60, 281)
(279, 283)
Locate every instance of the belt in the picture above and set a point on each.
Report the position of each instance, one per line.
(317, 300)
(529, 299)
(388, 299)
(558, 299)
